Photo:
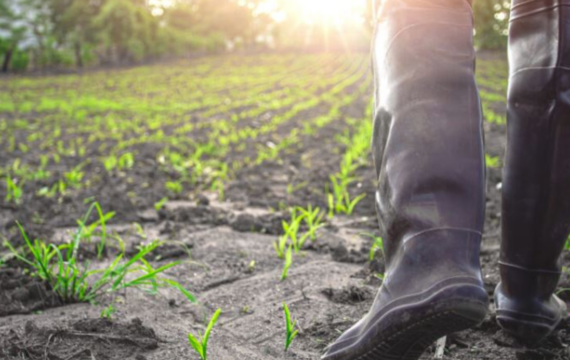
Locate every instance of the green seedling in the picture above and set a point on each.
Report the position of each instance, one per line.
(287, 263)
(160, 204)
(108, 312)
(330, 201)
(218, 187)
(292, 188)
(218, 176)
(174, 186)
(377, 244)
(200, 343)
(291, 231)
(251, 266)
(110, 163)
(280, 246)
(14, 190)
(126, 161)
(492, 161)
(291, 333)
(139, 230)
(88, 231)
(339, 199)
(313, 220)
(74, 177)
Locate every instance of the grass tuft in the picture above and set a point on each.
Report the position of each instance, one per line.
(58, 267)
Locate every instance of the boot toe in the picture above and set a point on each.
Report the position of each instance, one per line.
(340, 349)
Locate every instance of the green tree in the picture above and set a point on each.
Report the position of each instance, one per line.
(126, 29)
(73, 25)
(491, 23)
(233, 19)
(12, 33)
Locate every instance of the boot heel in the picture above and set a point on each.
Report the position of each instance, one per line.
(530, 332)
(531, 327)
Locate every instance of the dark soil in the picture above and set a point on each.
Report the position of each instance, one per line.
(21, 294)
(229, 263)
(83, 339)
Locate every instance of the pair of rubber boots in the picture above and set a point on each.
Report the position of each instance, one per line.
(429, 156)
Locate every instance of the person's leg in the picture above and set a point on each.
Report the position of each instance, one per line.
(428, 151)
(536, 173)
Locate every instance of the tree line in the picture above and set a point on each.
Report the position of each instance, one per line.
(40, 34)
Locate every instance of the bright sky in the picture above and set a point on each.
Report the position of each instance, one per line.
(329, 11)
(309, 11)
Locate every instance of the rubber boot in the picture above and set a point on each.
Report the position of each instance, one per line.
(428, 152)
(536, 173)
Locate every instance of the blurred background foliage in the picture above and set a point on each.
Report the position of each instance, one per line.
(60, 34)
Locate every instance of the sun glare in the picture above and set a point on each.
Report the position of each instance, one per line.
(329, 11)
(333, 12)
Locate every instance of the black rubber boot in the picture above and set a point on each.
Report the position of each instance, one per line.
(536, 174)
(428, 150)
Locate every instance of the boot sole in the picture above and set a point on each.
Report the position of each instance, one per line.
(529, 328)
(446, 316)
(529, 331)
(413, 341)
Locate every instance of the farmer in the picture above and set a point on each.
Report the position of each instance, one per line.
(428, 151)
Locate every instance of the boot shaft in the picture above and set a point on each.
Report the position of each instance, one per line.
(536, 173)
(427, 145)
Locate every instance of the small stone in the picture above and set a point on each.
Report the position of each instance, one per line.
(148, 215)
(244, 223)
(340, 253)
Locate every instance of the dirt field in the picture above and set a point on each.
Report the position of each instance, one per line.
(208, 156)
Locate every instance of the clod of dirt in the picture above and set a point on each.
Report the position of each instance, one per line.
(265, 223)
(193, 215)
(134, 328)
(245, 223)
(21, 294)
(85, 339)
(341, 254)
(202, 200)
(348, 295)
